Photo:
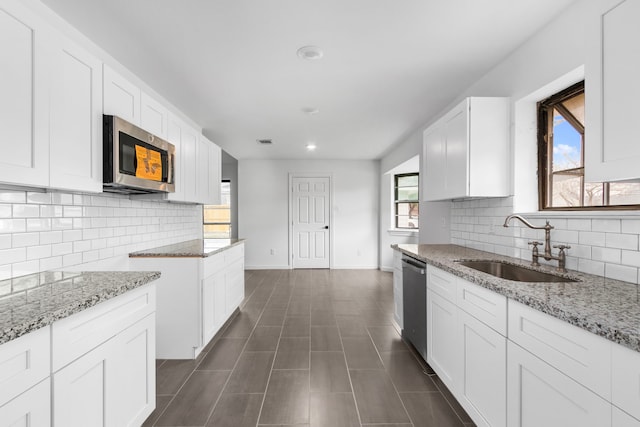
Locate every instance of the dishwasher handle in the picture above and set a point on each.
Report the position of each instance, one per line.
(416, 266)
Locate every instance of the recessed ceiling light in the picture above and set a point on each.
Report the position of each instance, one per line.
(311, 146)
(310, 52)
(310, 110)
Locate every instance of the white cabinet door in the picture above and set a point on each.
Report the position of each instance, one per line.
(120, 97)
(612, 86)
(75, 119)
(189, 162)
(482, 379)
(622, 419)
(234, 280)
(203, 183)
(81, 390)
(210, 305)
(154, 117)
(112, 385)
(215, 175)
(398, 312)
(25, 100)
(30, 409)
(625, 381)
(434, 155)
(466, 152)
(540, 395)
(174, 136)
(442, 348)
(220, 314)
(132, 379)
(456, 137)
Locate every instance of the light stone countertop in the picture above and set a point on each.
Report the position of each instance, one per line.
(198, 248)
(606, 307)
(28, 303)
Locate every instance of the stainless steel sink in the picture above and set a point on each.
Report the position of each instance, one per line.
(514, 272)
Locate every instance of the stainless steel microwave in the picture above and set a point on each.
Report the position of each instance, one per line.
(136, 161)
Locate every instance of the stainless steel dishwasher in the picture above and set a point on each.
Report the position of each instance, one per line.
(414, 300)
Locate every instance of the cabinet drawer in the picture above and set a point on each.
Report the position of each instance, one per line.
(487, 306)
(622, 419)
(442, 283)
(213, 265)
(24, 362)
(233, 254)
(625, 385)
(31, 408)
(579, 354)
(77, 334)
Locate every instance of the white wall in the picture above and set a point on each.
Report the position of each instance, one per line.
(45, 231)
(264, 210)
(605, 244)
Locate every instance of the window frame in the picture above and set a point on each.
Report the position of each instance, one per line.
(396, 201)
(544, 174)
(204, 223)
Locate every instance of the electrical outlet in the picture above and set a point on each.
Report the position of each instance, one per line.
(359, 252)
(443, 222)
(273, 251)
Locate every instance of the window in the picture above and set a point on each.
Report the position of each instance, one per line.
(561, 141)
(406, 200)
(217, 218)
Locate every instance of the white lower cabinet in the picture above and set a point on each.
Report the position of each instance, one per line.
(625, 381)
(195, 297)
(482, 379)
(467, 352)
(540, 395)
(620, 418)
(441, 337)
(30, 409)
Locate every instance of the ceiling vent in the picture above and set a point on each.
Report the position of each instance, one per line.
(265, 141)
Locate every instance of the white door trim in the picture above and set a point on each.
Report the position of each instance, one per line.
(293, 175)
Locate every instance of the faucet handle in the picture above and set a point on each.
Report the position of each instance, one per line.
(562, 247)
(535, 244)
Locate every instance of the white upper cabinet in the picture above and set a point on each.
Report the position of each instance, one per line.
(466, 152)
(25, 101)
(189, 161)
(612, 152)
(75, 130)
(154, 117)
(121, 97)
(209, 173)
(174, 136)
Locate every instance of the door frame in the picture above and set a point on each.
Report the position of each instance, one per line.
(293, 175)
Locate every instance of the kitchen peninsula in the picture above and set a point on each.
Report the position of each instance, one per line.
(201, 286)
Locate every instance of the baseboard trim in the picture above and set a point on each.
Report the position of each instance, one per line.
(267, 267)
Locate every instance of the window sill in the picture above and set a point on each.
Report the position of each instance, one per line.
(583, 214)
(402, 232)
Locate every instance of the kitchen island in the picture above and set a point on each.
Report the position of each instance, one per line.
(517, 353)
(77, 349)
(202, 284)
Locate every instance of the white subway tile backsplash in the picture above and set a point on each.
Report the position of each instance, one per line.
(598, 245)
(13, 225)
(579, 224)
(631, 258)
(10, 256)
(606, 225)
(631, 226)
(622, 241)
(22, 240)
(621, 272)
(40, 231)
(591, 238)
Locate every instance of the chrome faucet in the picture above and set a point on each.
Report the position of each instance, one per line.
(561, 257)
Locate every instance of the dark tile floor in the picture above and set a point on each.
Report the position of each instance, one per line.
(308, 348)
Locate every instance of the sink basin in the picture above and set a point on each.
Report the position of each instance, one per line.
(513, 272)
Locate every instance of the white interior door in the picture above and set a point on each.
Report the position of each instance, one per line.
(310, 198)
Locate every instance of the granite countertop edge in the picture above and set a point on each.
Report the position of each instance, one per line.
(188, 249)
(586, 313)
(133, 280)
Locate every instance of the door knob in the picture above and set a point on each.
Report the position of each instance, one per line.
(326, 227)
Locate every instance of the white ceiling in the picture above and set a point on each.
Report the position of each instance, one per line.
(231, 65)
